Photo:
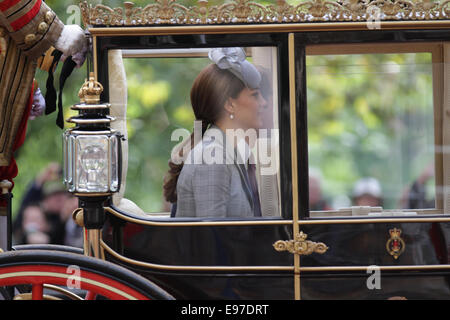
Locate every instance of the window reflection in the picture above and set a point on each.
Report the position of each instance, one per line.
(159, 105)
(371, 131)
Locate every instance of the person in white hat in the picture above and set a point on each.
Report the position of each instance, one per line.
(367, 192)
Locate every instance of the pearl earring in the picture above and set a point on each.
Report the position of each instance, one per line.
(231, 116)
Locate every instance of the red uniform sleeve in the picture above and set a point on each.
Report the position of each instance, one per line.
(10, 172)
(31, 24)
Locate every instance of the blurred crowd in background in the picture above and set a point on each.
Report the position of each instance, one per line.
(45, 213)
(368, 191)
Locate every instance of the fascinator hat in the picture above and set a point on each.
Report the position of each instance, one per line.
(233, 59)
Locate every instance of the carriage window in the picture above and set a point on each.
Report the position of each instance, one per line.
(371, 134)
(160, 120)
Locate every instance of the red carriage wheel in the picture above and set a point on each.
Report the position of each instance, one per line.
(39, 268)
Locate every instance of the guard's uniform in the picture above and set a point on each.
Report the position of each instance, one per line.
(27, 29)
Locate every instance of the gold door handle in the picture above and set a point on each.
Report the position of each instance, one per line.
(300, 245)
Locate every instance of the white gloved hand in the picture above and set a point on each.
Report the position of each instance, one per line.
(38, 105)
(71, 41)
(78, 57)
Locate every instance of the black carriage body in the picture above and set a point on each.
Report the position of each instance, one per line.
(216, 259)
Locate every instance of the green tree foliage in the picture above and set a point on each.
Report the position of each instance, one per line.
(158, 103)
(370, 115)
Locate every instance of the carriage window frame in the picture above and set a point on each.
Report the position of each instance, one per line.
(203, 53)
(439, 122)
(102, 45)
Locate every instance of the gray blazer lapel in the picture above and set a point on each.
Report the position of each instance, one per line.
(240, 166)
(245, 182)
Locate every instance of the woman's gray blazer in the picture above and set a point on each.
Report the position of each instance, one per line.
(213, 181)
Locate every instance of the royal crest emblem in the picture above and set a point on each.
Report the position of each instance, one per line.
(395, 245)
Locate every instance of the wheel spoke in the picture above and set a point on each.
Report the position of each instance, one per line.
(37, 291)
(90, 295)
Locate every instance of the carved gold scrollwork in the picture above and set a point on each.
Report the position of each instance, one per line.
(102, 15)
(242, 11)
(161, 12)
(444, 9)
(282, 11)
(169, 12)
(300, 245)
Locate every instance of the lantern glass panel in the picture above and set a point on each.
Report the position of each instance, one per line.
(92, 153)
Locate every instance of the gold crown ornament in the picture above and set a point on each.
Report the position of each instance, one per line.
(90, 91)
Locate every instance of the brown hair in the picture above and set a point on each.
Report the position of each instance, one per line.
(209, 93)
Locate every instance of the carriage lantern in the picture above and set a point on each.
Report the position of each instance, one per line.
(91, 149)
(92, 152)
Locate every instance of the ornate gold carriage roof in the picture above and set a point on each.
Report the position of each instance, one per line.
(247, 12)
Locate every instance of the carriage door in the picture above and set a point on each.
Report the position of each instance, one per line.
(208, 256)
(374, 224)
